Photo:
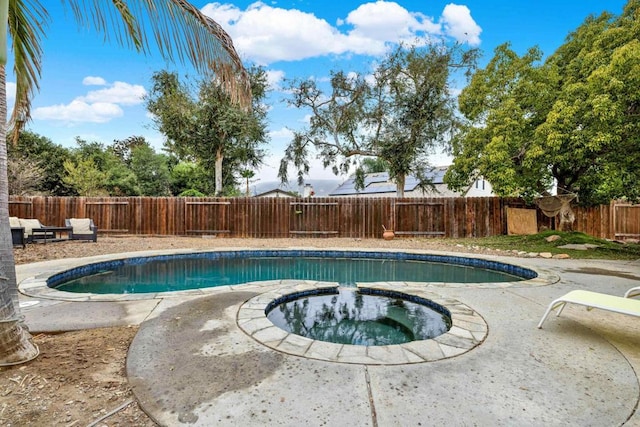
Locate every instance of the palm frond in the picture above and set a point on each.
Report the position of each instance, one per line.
(27, 20)
(180, 31)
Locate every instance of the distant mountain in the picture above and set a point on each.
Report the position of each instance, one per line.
(321, 187)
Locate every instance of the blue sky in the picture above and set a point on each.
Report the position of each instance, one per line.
(93, 90)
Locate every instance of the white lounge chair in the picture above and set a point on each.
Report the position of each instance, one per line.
(633, 292)
(591, 300)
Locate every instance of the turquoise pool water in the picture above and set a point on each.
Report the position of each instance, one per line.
(211, 269)
(358, 317)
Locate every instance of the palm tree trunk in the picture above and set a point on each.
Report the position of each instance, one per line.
(16, 345)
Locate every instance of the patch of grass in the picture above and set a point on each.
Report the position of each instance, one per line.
(537, 243)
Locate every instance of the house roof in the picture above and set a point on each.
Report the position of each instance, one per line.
(379, 183)
(275, 192)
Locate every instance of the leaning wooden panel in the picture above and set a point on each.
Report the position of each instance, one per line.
(521, 221)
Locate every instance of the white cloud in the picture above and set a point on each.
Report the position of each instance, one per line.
(388, 22)
(97, 106)
(79, 111)
(94, 81)
(351, 75)
(223, 13)
(274, 77)
(459, 24)
(282, 133)
(11, 94)
(266, 34)
(118, 93)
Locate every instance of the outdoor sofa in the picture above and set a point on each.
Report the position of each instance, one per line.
(26, 225)
(29, 230)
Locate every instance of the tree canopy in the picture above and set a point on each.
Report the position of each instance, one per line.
(128, 167)
(45, 155)
(399, 114)
(203, 124)
(572, 120)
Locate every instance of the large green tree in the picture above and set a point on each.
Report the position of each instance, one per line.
(202, 124)
(96, 170)
(180, 31)
(189, 178)
(50, 158)
(503, 104)
(85, 177)
(573, 120)
(399, 114)
(151, 170)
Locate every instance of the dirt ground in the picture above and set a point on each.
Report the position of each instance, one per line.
(79, 377)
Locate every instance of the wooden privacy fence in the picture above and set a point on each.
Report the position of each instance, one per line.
(355, 217)
(626, 221)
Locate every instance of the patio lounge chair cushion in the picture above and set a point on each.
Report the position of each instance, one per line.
(594, 300)
(82, 229)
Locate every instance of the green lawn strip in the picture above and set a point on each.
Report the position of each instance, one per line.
(536, 243)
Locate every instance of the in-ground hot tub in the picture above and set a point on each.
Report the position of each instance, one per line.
(362, 316)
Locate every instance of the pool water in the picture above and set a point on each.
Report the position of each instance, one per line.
(347, 316)
(184, 272)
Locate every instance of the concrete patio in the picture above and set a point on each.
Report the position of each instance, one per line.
(192, 364)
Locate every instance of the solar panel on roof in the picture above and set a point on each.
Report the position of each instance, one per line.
(377, 183)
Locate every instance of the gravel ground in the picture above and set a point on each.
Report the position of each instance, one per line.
(109, 245)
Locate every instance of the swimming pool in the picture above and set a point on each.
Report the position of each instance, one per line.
(180, 272)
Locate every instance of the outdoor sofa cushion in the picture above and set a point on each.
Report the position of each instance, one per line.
(81, 225)
(14, 221)
(82, 229)
(28, 225)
